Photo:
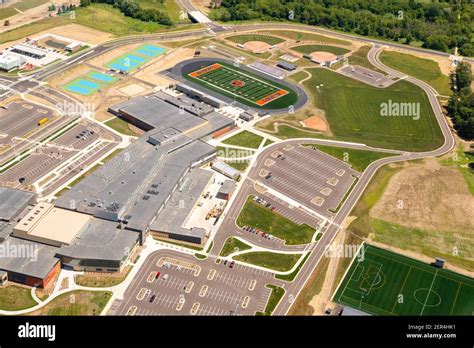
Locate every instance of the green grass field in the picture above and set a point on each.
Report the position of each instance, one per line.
(245, 139)
(303, 36)
(120, 126)
(424, 69)
(358, 159)
(274, 261)
(241, 39)
(307, 49)
(290, 277)
(233, 245)
(353, 110)
(13, 298)
(255, 215)
(385, 283)
(245, 87)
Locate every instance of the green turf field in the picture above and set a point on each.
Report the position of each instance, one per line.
(385, 283)
(243, 86)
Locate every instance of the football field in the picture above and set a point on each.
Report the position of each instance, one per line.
(385, 283)
(243, 86)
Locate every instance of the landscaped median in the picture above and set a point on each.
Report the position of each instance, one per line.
(275, 297)
(233, 245)
(275, 261)
(255, 215)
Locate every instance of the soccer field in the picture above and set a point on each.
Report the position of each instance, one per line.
(243, 86)
(385, 283)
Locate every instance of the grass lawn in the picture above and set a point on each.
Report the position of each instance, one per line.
(241, 39)
(241, 166)
(290, 277)
(297, 77)
(245, 139)
(275, 297)
(14, 298)
(353, 110)
(102, 17)
(307, 49)
(460, 160)
(274, 261)
(102, 280)
(358, 159)
(268, 142)
(24, 5)
(359, 57)
(375, 283)
(255, 215)
(78, 302)
(424, 69)
(233, 245)
(169, 6)
(303, 36)
(120, 126)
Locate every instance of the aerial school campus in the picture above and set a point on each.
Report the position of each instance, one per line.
(228, 169)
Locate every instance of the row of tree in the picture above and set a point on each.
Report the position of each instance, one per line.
(131, 8)
(461, 103)
(440, 25)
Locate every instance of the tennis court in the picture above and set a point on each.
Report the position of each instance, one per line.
(385, 283)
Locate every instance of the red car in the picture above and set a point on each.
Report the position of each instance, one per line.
(157, 275)
(232, 264)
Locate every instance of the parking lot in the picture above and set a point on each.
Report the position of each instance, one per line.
(44, 159)
(368, 76)
(309, 177)
(188, 286)
(20, 120)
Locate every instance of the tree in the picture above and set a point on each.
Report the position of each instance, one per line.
(85, 3)
(6, 23)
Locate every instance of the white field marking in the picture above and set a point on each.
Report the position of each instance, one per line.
(429, 290)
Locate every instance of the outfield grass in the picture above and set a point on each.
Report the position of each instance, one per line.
(358, 159)
(307, 49)
(255, 215)
(353, 110)
(424, 69)
(359, 57)
(303, 36)
(275, 297)
(13, 298)
(255, 91)
(241, 39)
(245, 139)
(274, 261)
(78, 302)
(120, 126)
(375, 284)
(233, 245)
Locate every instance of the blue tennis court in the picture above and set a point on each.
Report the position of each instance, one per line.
(98, 76)
(82, 86)
(150, 50)
(127, 62)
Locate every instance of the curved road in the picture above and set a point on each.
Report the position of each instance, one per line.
(294, 288)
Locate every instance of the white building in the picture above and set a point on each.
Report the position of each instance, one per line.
(10, 62)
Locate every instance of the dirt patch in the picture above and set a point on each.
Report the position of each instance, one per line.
(132, 90)
(81, 33)
(257, 46)
(150, 73)
(315, 122)
(428, 196)
(322, 56)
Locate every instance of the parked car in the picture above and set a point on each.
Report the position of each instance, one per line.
(157, 275)
(165, 277)
(225, 262)
(152, 298)
(232, 264)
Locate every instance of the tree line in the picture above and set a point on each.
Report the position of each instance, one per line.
(461, 103)
(131, 8)
(440, 25)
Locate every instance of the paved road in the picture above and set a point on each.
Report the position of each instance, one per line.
(294, 289)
